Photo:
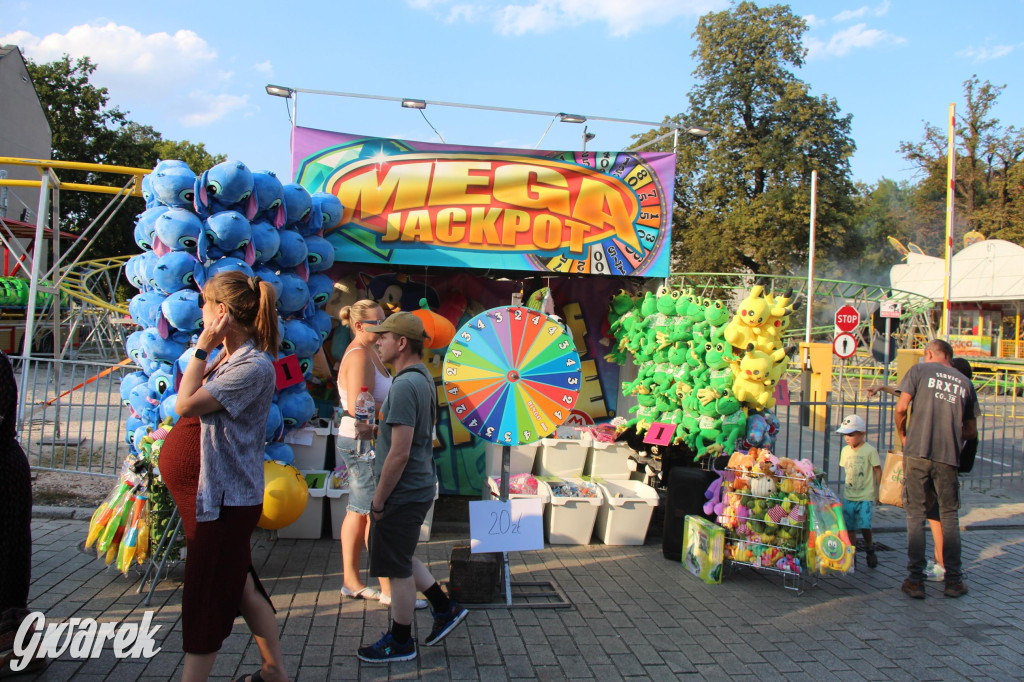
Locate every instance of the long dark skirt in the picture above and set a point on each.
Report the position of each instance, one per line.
(217, 557)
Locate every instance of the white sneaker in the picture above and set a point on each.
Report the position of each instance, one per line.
(385, 600)
(934, 573)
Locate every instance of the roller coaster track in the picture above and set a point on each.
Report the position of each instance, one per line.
(95, 282)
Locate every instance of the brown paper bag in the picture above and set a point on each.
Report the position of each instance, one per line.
(890, 490)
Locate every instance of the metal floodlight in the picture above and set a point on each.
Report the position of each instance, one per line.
(572, 118)
(279, 91)
(698, 131)
(414, 103)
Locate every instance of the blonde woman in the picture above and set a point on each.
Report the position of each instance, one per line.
(360, 366)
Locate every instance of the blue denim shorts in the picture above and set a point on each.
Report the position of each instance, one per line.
(857, 514)
(361, 480)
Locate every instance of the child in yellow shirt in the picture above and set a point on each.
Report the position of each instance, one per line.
(863, 473)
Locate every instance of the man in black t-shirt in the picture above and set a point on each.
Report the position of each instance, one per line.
(945, 411)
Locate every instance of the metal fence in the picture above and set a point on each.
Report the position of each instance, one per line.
(70, 415)
(1000, 460)
(72, 419)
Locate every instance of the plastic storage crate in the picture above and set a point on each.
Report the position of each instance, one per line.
(608, 460)
(307, 526)
(520, 461)
(625, 512)
(337, 499)
(561, 457)
(569, 520)
(310, 445)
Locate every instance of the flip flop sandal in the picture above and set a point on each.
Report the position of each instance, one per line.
(254, 677)
(365, 593)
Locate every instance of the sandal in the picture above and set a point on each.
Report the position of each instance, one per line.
(385, 600)
(255, 677)
(365, 593)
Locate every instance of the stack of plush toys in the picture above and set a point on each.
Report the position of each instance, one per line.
(764, 508)
(708, 372)
(227, 218)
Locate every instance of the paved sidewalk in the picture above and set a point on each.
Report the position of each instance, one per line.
(633, 615)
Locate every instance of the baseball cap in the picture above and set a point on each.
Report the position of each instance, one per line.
(852, 424)
(402, 323)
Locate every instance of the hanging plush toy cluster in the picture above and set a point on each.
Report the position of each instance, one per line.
(710, 374)
(227, 218)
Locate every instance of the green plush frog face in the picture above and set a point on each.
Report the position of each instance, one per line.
(716, 313)
(683, 303)
(666, 301)
(717, 355)
(649, 305)
(727, 404)
(621, 303)
(695, 311)
(676, 354)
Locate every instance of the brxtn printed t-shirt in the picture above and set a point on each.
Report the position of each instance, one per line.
(943, 399)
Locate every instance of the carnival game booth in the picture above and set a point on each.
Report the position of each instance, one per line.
(460, 230)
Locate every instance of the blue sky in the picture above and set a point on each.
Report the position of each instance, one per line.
(197, 71)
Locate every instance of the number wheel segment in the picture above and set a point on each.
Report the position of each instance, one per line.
(511, 375)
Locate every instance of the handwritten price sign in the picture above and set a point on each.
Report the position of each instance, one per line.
(512, 526)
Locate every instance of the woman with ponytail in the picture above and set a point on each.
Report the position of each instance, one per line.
(220, 500)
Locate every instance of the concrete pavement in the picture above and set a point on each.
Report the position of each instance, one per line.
(633, 614)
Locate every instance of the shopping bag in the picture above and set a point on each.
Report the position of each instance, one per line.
(890, 490)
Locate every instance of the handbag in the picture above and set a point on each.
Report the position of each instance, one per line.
(890, 489)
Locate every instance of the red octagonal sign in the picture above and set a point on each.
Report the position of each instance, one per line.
(847, 318)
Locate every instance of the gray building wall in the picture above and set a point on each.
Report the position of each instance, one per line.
(24, 131)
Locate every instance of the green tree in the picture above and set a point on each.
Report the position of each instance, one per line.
(87, 129)
(988, 159)
(743, 192)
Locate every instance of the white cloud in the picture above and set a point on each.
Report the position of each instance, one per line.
(134, 66)
(266, 68)
(849, 14)
(206, 108)
(858, 36)
(984, 54)
(620, 17)
(814, 21)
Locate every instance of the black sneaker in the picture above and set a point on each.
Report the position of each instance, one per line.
(955, 589)
(387, 650)
(913, 590)
(872, 559)
(445, 623)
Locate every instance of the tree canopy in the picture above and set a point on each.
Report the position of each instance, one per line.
(87, 129)
(742, 197)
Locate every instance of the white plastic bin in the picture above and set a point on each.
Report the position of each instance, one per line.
(569, 520)
(561, 457)
(337, 499)
(520, 461)
(608, 460)
(625, 512)
(307, 526)
(428, 522)
(310, 445)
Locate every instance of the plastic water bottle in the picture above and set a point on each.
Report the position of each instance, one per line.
(366, 413)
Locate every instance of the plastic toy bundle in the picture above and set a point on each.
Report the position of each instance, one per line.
(338, 478)
(519, 484)
(829, 549)
(573, 489)
(120, 525)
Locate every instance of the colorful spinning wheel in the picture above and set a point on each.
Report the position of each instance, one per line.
(512, 375)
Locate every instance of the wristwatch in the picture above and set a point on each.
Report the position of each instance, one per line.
(200, 354)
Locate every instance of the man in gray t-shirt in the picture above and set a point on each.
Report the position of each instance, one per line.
(945, 410)
(406, 480)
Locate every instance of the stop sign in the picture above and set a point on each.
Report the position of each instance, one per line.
(847, 318)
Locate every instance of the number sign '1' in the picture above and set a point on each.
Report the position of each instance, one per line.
(496, 526)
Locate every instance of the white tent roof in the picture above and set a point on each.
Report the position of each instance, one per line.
(990, 270)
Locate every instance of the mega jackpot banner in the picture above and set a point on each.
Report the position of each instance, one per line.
(419, 203)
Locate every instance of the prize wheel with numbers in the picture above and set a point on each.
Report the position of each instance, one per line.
(512, 375)
(613, 255)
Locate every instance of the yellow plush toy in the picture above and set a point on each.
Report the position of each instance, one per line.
(780, 312)
(751, 320)
(753, 385)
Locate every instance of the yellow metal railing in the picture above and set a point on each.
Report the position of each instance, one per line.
(42, 164)
(1011, 349)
